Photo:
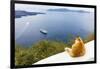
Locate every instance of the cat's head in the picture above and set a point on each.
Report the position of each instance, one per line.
(78, 39)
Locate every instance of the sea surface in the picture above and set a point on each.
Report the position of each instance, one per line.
(60, 26)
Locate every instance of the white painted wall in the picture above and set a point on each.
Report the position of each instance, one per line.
(5, 34)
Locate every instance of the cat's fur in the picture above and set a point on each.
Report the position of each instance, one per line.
(78, 48)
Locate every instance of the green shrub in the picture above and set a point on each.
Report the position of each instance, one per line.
(38, 51)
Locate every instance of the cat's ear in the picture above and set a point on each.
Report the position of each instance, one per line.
(78, 38)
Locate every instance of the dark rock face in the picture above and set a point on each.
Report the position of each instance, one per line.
(19, 13)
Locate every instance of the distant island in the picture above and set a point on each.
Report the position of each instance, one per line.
(66, 10)
(20, 13)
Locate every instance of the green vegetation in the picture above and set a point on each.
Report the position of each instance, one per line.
(40, 50)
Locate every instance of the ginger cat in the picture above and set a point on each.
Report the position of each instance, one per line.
(78, 48)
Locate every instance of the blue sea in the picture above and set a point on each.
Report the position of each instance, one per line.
(60, 26)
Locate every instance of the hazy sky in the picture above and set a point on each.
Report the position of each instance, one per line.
(43, 8)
